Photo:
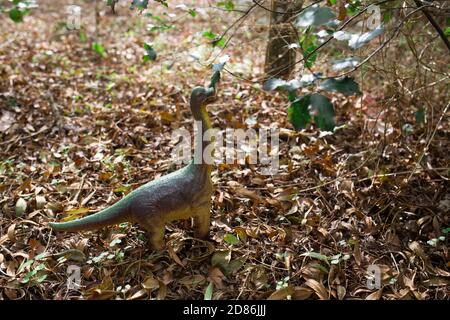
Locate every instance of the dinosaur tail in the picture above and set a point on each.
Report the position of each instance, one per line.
(115, 214)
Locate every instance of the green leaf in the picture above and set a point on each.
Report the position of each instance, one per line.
(73, 255)
(140, 4)
(315, 255)
(83, 37)
(151, 53)
(345, 63)
(315, 16)
(420, 115)
(192, 12)
(220, 42)
(291, 85)
(228, 5)
(21, 207)
(24, 265)
(298, 113)
(336, 259)
(217, 68)
(323, 111)
(216, 40)
(41, 278)
(387, 16)
(16, 15)
(209, 35)
(28, 276)
(320, 267)
(353, 7)
(447, 31)
(345, 85)
(308, 43)
(273, 84)
(209, 291)
(222, 260)
(114, 242)
(311, 58)
(292, 96)
(231, 239)
(407, 129)
(40, 256)
(122, 189)
(99, 49)
(342, 35)
(40, 267)
(357, 40)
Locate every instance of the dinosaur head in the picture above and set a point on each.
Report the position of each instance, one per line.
(200, 96)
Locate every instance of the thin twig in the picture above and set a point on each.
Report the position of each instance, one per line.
(305, 58)
(370, 56)
(433, 23)
(429, 142)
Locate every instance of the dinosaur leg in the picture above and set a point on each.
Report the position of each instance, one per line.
(155, 235)
(202, 221)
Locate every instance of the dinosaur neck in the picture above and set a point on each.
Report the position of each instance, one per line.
(203, 124)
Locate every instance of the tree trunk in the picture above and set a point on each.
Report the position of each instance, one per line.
(280, 59)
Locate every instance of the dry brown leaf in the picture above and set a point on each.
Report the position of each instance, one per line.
(244, 192)
(311, 272)
(241, 233)
(282, 293)
(302, 293)
(150, 283)
(174, 256)
(21, 207)
(40, 202)
(286, 194)
(4, 238)
(11, 294)
(192, 281)
(139, 294)
(420, 295)
(105, 176)
(167, 117)
(75, 214)
(318, 288)
(6, 120)
(375, 295)
(342, 10)
(409, 282)
(417, 249)
(11, 267)
(11, 232)
(341, 291)
(216, 275)
(22, 254)
(437, 282)
(81, 245)
(162, 292)
(102, 295)
(357, 253)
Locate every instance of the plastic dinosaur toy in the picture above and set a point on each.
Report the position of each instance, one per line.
(181, 194)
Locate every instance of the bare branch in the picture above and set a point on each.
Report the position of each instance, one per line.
(433, 23)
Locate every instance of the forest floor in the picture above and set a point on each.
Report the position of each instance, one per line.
(79, 130)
